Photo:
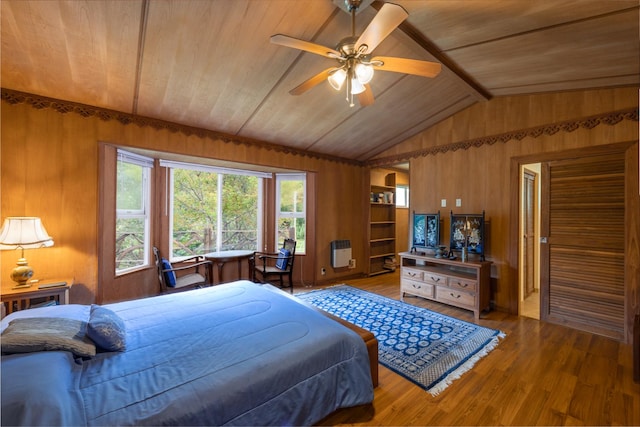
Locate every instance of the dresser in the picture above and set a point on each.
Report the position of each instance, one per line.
(453, 282)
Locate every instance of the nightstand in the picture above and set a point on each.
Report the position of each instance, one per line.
(40, 292)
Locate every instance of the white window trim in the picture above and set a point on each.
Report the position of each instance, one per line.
(406, 196)
(279, 214)
(170, 165)
(213, 169)
(147, 164)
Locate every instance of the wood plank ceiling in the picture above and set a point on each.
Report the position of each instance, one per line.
(210, 64)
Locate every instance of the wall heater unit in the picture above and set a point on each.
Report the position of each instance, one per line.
(340, 253)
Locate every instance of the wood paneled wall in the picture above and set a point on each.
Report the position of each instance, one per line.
(467, 156)
(49, 164)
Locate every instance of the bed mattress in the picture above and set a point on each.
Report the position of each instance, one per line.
(233, 354)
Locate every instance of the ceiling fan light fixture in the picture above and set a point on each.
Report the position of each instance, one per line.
(356, 86)
(337, 78)
(364, 73)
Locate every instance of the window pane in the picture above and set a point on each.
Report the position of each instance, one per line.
(132, 215)
(195, 197)
(130, 191)
(130, 247)
(204, 222)
(293, 228)
(290, 210)
(292, 196)
(239, 212)
(402, 196)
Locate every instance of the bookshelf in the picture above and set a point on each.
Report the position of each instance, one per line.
(382, 226)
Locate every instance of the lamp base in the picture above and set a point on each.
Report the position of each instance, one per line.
(21, 274)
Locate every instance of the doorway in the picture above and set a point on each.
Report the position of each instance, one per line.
(529, 280)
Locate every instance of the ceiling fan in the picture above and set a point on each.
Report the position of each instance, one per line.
(353, 54)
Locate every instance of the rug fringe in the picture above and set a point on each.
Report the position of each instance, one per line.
(466, 366)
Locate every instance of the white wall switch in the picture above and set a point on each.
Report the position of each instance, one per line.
(443, 203)
(458, 202)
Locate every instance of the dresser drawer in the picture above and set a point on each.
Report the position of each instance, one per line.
(454, 297)
(417, 288)
(462, 284)
(411, 273)
(434, 278)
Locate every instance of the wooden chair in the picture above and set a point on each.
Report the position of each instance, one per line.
(198, 273)
(275, 265)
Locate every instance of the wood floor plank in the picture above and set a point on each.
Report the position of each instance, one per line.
(540, 374)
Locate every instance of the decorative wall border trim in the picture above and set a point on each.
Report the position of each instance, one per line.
(590, 122)
(41, 102)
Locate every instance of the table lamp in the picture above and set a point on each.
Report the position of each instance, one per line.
(23, 233)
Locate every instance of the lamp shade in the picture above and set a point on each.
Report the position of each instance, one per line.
(337, 78)
(24, 233)
(356, 86)
(364, 72)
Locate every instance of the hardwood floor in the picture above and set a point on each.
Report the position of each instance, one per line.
(540, 374)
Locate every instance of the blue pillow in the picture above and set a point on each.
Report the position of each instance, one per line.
(106, 329)
(281, 263)
(169, 276)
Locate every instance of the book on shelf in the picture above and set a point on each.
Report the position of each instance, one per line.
(390, 263)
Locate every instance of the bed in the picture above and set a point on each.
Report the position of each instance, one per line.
(233, 354)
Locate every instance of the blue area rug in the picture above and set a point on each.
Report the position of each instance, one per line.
(425, 347)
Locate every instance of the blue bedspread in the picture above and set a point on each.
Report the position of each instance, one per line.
(234, 354)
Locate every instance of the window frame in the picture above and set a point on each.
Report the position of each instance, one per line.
(404, 189)
(221, 172)
(295, 176)
(146, 163)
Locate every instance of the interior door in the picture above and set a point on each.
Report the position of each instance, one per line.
(528, 228)
(582, 262)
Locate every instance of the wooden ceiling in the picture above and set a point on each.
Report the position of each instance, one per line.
(210, 64)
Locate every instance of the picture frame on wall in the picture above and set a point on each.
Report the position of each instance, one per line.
(469, 230)
(426, 230)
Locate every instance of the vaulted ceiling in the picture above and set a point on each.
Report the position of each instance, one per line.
(210, 64)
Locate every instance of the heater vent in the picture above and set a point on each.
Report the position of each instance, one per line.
(340, 253)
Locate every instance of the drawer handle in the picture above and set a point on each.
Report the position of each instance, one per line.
(455, 296)
(435, 279)
(416, 287)
(409, 273)
(462, 285)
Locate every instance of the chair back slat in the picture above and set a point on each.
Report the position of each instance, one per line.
(158, 258)
(290, 245)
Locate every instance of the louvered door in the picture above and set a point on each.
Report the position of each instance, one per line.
(582, 268)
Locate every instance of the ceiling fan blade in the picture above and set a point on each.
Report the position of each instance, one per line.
(366, 98)
(408, 66)
(313, 81)
(295, 43)
(385, 21)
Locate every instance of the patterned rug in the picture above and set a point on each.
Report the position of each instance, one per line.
(425, 347)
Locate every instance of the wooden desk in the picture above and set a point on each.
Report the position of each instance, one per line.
(222, 257)
(20, 299)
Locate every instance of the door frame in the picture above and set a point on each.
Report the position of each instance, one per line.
(632, 222)
(535, 217)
